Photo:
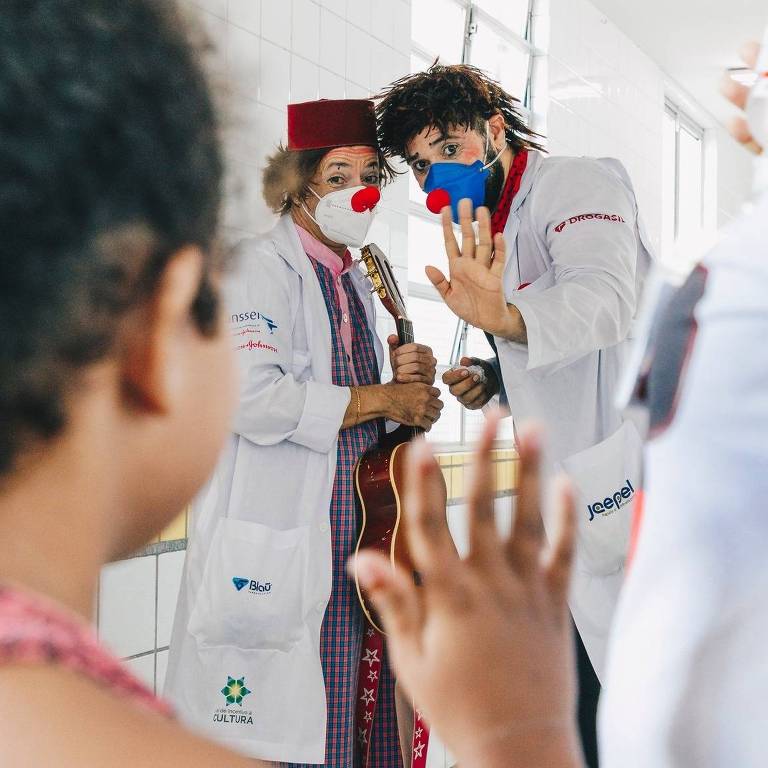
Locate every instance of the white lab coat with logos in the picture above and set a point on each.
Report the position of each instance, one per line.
(575, 236)
(257, 577)
(687, 670)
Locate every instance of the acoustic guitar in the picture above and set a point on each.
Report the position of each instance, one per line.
(379, 471)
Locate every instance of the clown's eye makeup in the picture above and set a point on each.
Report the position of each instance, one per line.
(373, 178)
(450, 150)
(336, 181)
(420, 166)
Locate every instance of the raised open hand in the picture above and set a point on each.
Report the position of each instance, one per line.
(474, 288)
(484, 645)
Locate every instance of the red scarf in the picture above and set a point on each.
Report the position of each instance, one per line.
(511, 186)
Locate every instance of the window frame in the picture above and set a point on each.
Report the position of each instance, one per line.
(474, 15)
(683, 121)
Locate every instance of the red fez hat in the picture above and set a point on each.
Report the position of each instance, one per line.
(331, 123)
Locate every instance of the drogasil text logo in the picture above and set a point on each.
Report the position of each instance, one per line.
(589, 217)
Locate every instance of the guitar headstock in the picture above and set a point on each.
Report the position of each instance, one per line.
(382, 277)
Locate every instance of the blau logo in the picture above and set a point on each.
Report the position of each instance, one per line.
(254, 585)
(615, 501)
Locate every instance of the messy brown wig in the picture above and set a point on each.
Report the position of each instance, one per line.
(288, 173)
(446, 96)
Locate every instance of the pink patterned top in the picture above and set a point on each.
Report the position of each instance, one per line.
(36, 630)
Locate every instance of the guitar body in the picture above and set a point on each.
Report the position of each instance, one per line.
(379, 485)
(380, 471)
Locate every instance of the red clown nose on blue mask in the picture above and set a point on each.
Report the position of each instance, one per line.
(447, 183)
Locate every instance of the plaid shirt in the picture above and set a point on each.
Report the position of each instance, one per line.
(341, 636)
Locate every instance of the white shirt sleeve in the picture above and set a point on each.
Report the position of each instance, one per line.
(262, 300)
(587, 216)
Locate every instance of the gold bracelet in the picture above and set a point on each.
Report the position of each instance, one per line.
(357, 417)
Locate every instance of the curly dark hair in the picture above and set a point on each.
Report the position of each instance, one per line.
(445, 96)
(110, 164)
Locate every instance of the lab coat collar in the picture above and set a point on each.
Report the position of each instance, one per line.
(526, 183)
(286, 239)
(288, 245)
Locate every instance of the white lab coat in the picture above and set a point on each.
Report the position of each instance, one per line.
(687, 669)
(263, 519)
(574, 234)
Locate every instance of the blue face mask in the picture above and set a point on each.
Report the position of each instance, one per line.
(447, 183)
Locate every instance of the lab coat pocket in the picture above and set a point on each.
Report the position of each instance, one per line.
(252, 594)
(606, 478)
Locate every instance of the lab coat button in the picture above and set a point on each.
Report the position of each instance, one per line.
(323, 527)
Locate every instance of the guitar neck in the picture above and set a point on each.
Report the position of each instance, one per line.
(404, 331)
(405, 336)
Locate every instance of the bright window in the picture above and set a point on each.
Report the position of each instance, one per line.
(437, 27)
(683, 180)
(493, 35)
(501, 55)
(513, 14)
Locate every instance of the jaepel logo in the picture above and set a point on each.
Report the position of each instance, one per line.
(611, 503)
(254, 587)
(234, 692)
(589, 217)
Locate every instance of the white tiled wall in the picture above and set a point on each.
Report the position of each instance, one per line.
(598, 94)
(734, 175)
(127, 605)
(601, 96)
(137, 600)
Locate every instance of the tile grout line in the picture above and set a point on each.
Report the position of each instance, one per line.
(154, 652)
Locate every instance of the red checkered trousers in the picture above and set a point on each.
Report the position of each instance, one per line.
(341, 635)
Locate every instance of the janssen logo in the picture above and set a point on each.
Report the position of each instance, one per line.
(254, 321)
(613, 502)
(254, 586)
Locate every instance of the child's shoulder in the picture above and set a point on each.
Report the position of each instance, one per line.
(53, 717)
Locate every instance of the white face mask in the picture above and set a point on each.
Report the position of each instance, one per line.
(339, 221)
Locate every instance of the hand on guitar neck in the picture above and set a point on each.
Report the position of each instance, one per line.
(411, 362)
(409, 399)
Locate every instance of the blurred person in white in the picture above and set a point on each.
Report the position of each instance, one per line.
(555, 283)
(687, 669)
(116, 375)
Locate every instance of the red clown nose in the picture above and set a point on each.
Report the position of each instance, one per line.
(437, 199)
(365, 199)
